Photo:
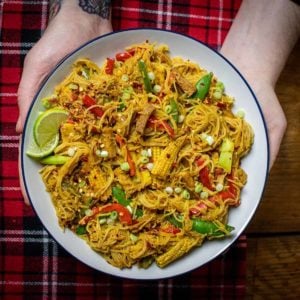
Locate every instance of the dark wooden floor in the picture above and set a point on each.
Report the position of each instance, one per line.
(274, 233)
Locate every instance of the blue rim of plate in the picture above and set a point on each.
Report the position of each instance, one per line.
(209, 48)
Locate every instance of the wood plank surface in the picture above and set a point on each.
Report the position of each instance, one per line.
(280, 207)
(273, 267)
(273, 263)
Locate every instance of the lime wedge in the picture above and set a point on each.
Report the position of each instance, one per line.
(47, 125)
(38, 152)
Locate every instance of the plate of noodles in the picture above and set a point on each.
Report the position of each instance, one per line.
(140, 154)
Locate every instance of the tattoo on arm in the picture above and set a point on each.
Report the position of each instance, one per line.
(97, 7)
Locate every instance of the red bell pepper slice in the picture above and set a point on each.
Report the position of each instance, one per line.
(230, 193)
(128, 158)
(198, 209)
(204, 174)
(120, 140)
(170, 229)
(123, 212)
(123, 56)
(110, 63)
(162, 125)
(88, 102)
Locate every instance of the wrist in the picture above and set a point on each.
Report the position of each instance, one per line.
(97, 17)
(257, 73)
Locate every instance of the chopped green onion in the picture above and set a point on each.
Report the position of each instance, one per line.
(151, 76)
(103, 153)
(125, 77)
(144, 152)
(156, 88)
(180, 118)
(198, 187)
(80, 230)
(129, 208)
(204, 195)
(178, 190)
(47, 101)
(71, 151)
(219, 187)
(133, 237)
(81, 184)
(240, 113)
(185, 194)
(73, 86)
(125, 96)
(220, 86)
(125, 166)
(113, 215)
(217, 95)
(144, 159)
(169, 190)
(209, 139)
(85, 73)
(88, 212)
(168, 109)
(150, 166)
(102, 221)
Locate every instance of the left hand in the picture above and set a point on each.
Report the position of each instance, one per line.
(70, 28)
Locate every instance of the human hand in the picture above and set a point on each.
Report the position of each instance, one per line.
(273, 113)
(264, 91)
(258, 44)
(69, 29)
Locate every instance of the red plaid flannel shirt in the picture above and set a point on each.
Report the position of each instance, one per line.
(32, 264)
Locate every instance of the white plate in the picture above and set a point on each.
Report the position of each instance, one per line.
(256, 164)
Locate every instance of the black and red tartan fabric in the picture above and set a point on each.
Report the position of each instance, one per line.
(32, 264)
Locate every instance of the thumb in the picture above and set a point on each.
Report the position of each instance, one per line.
(32, 76)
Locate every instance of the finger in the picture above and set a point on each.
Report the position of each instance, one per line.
(21, 179)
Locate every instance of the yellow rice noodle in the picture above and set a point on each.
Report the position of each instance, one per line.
(166, 164)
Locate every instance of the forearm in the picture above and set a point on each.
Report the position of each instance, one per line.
(98, 11)
(262, 36)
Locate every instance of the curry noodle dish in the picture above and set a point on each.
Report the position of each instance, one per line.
(152, 154)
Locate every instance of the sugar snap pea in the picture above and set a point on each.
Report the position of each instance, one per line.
(203, 227)
(55, 160)
(202, 86)
(119, 194)
(210, 228)
(174, 110)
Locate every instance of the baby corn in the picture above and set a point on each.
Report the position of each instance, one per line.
(167, 157)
